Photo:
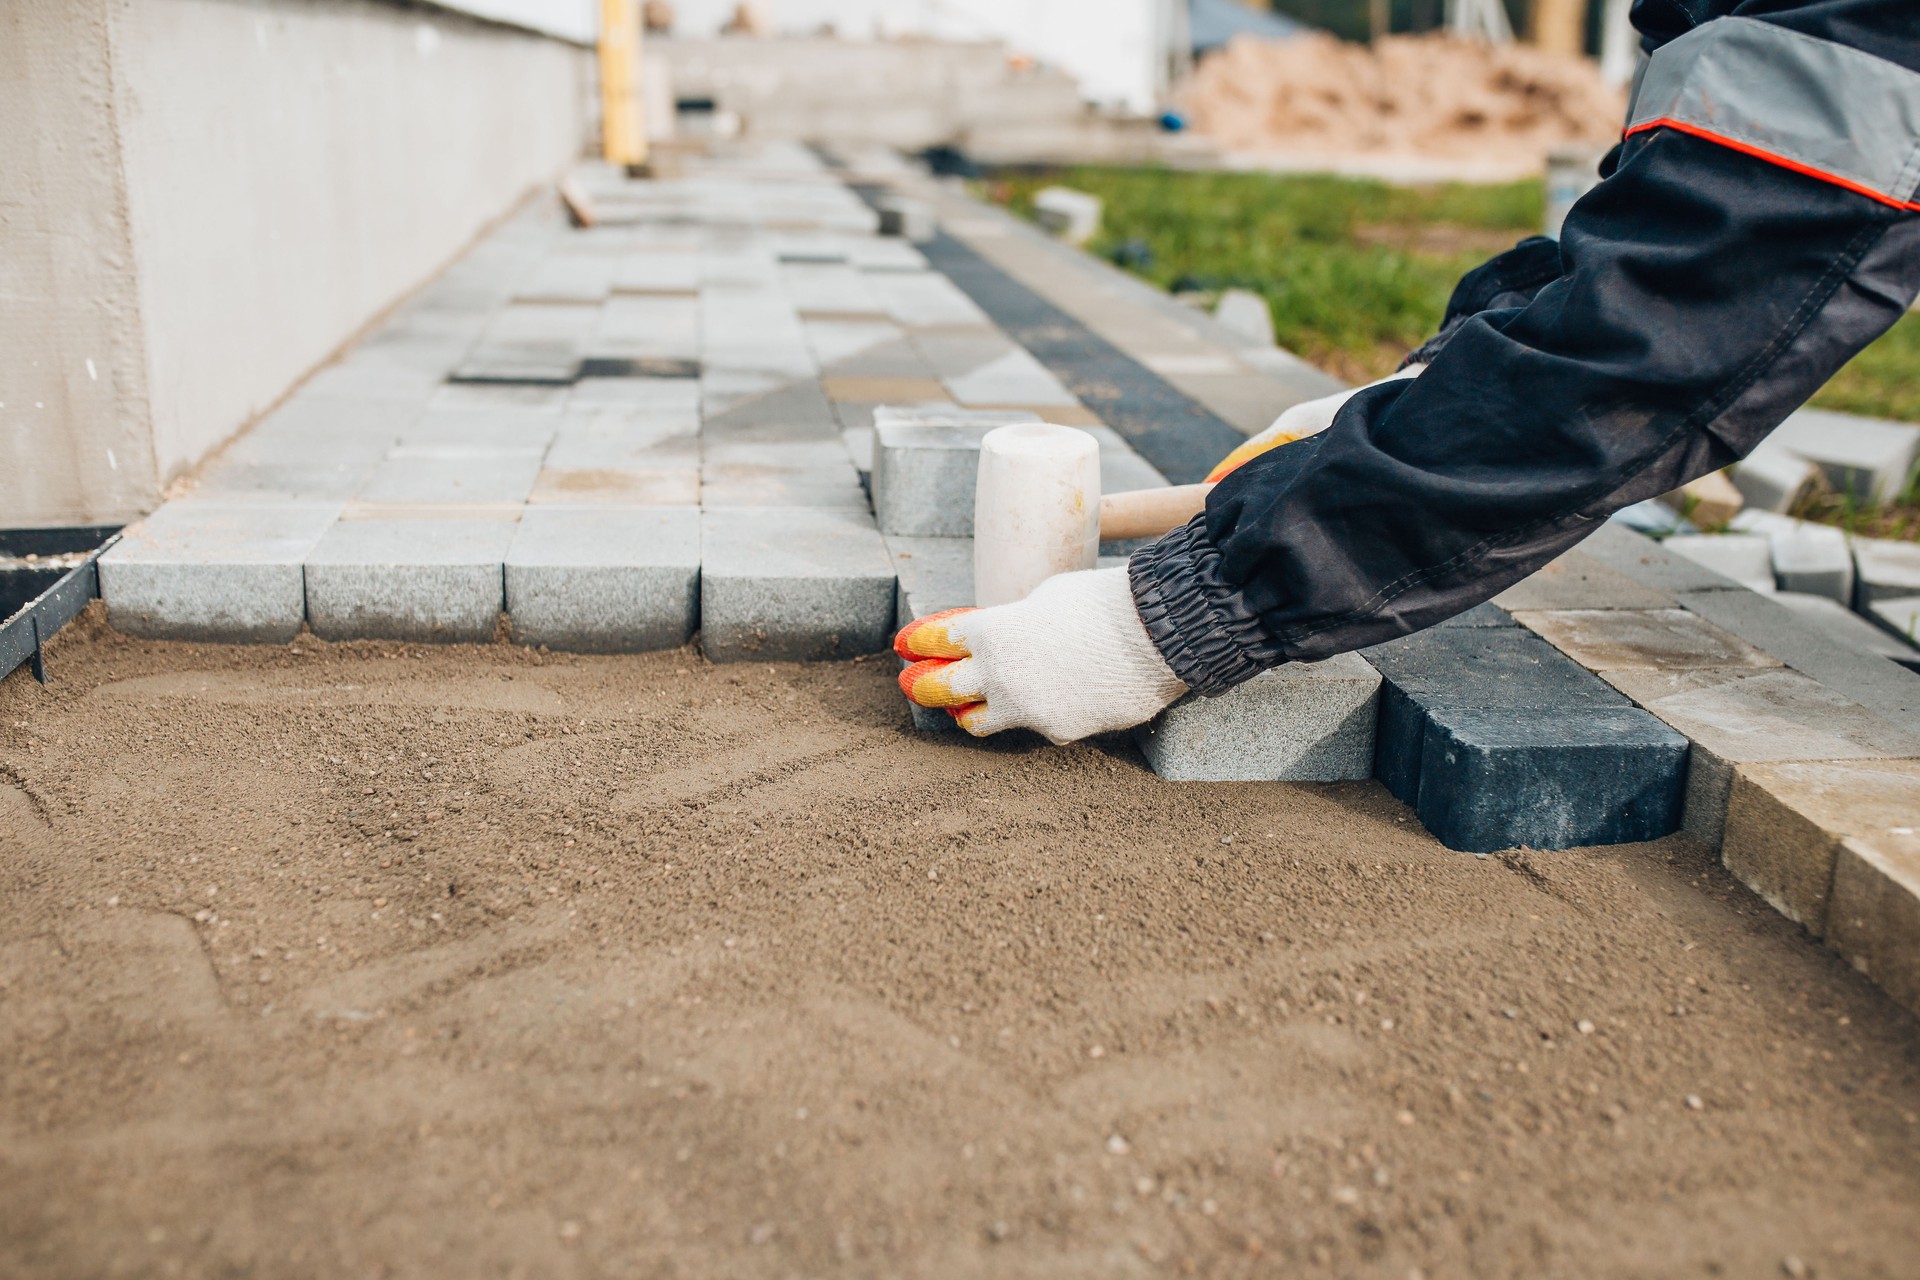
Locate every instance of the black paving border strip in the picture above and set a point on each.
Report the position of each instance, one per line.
(1176, 433)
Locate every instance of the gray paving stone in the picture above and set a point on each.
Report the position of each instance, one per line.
(1248, 316)
(1642, 560)
(486, 397)
(924, 299)
(448, 474)
(1122, 470)
(369, 381)
(1888, 569)
(569, 277)
(1014, 378)
(788, 411)
(780, 474)
(932, 575)
(1072, 215)
(604, 580)
(872, 346)
(1497, 740)
(421, 580)
(907, 218)
(1304, 722)
(787, 584)
(647, 328)
(924, 476)
(1773, 478)
(1901, 617)
(1481, 615)
(1810, 558)
(1746, 558)
(1870, 458)
(1891, 692)
(1736, 717)
(1578, 580)
(531, 342)
(502, 431)
(823, 288)
(1873, 915)
(1642, 639)
(1843, 626)
(202, 569)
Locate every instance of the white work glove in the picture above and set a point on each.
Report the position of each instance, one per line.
(1309, 418)
(1071, 659)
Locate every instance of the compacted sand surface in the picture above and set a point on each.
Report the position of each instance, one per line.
(344, 961)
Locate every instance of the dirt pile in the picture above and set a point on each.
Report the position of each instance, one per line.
(1431, 96)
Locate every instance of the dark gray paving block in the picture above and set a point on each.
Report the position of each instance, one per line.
(1885, 688)
(791, 584)
(1449, 669)
(1548, 778)
(201, 569)
(604, 580)
(427, 580)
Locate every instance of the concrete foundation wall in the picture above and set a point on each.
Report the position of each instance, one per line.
(219, 194)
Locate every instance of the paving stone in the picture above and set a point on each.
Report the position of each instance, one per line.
(925, 465)
(1303, 722)
(1072, 215)
(659, 272)
(419, 580)
(869, 346)
(1773, 478)
(1014, 378)
(1578, 580)
(786, 412)
(1121, 469)
(569, 277)
(825, 289)
(1247, 315)
(415, 475)
(1641, 560)
(793, 584)
(859, 443)
(1786, 824)
(604, 580)
(1888, 570)
(483, 431)
(1810, 558)
(865, 390)
(489, 396)
(1873, 914)
(365, 381)
(1466, 668)
(780, 474)
(907, 218)
(1481, 615)
(642, 328)
(1495, 779)
(1892, 692)
(1736, 717)
(531, 342)
(931, 575)
(204, 569)
(924, 299)
(1899, 616)
(1870, 458)
(1843, 626)
(1641, 639)
(1746, 558)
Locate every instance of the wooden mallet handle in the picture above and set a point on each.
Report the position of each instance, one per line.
(1148, 513)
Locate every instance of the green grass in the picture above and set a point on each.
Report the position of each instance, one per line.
(1358, 272)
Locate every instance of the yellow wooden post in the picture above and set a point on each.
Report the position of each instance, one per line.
(623, 134)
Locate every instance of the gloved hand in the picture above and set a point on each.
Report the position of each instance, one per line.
(1306, 419)
(1071, 659)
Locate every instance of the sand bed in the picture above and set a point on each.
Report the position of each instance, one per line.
(370, 961)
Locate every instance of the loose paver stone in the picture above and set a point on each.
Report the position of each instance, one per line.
(1304, 722)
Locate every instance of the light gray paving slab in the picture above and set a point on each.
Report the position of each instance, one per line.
(923, 299)
(1247, 314)
(1304, 722)
(569, 277)
(451, 474)
(786, 584)
(867, 346)
(657, 271)
(423, 580)
(489, 396)
(819, 288)
(532, 342)
(1888, 569)
(647, 328)
(1846, 627)
(1811, 558)
(1605, 640)
(679, 396)
(1773, 478)
(1641, 560)
(505, 431)
(1579, 580)
(201, 569)
(787, 412)
(1871, 458)
(604, 580)
(373, 381)
(924, 476)
(1015, 378)
(1899, 615)
(1747, 558)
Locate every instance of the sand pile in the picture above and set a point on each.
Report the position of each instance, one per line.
(1431, 95)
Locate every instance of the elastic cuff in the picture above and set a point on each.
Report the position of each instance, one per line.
(1200, 622)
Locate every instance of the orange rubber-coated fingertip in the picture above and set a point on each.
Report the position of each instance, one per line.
(924, 683)
(968, 717)
(927, 638)
(1244, 454)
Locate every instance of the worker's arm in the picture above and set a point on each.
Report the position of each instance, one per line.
(1701, 293)
(1757, 229)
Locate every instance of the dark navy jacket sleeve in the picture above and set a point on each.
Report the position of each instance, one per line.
(1696, 297)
